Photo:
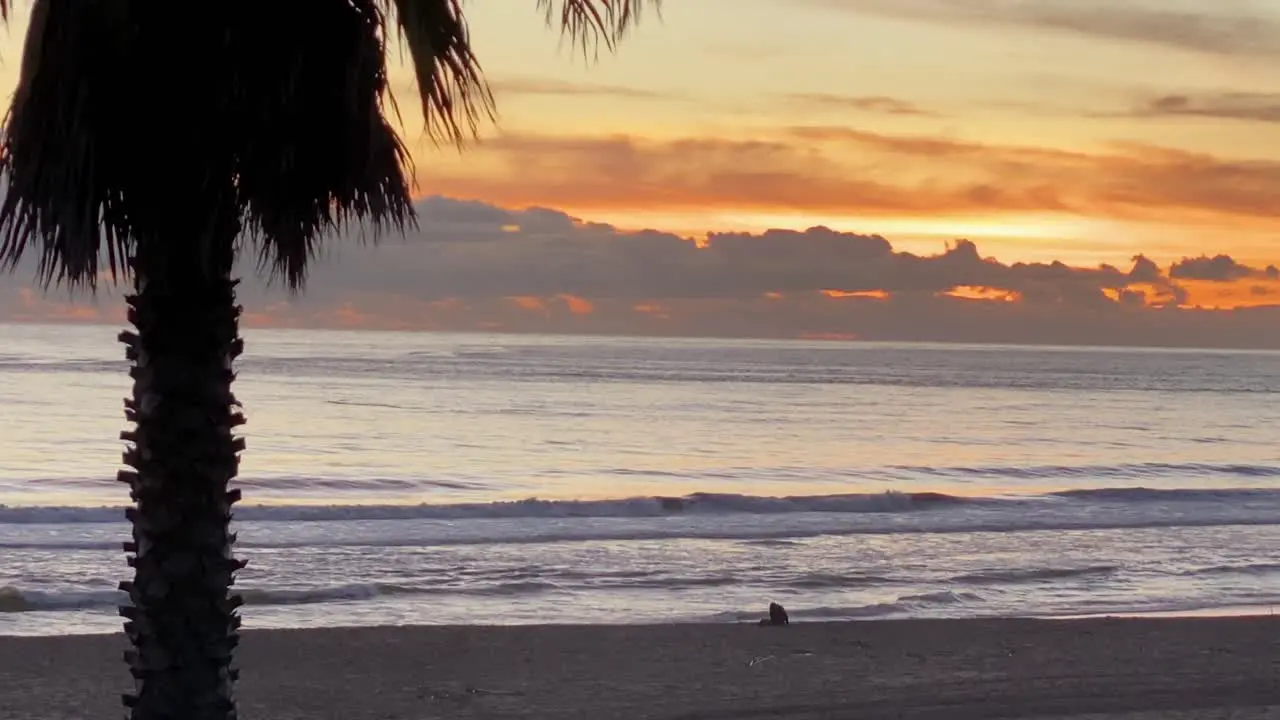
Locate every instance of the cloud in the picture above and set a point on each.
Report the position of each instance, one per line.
(1218, 28)
(1250, 107)
(20, 303)
(879, 104)
(476, 266)
(565, 88)
(846, 171)
(1219, 268)
(1145, 270)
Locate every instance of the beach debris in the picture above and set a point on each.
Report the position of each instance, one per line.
(481, 691)
(464, 694)
(777, 616)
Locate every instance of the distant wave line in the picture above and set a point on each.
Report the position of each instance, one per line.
(888, 502)
(1138, 472)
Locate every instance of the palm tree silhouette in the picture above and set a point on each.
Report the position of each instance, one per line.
(170, 137)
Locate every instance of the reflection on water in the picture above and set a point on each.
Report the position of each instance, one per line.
(874, 448)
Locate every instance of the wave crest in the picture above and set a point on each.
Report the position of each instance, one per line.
(891, 501)
(656, 506)
(18, 600)
(993, 576)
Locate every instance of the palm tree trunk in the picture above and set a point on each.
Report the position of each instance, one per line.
(182, 620)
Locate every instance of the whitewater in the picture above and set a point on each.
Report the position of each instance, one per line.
(433, 478)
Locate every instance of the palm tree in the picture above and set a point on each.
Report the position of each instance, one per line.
(170, 136)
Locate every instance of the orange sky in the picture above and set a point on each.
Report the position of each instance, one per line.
(1045, 130)
(1038, 128)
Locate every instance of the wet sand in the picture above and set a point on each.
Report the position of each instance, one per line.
(1136, 669)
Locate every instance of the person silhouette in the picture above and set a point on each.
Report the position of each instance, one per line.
(777, 615)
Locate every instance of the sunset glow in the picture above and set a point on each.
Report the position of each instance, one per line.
(1036, 130)
(980, 292)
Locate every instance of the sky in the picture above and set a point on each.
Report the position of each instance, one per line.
(1073, 171)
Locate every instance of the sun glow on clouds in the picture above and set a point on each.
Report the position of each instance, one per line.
(465, 269)
(1001, 227)
(1230, 295)
(573, 304)
(1025, 203)
(983, 293)
(525, 302)
(863, 294)
(1029, 238)
(1033, 128)
(577, 305)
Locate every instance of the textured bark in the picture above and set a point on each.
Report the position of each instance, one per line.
(182, 620)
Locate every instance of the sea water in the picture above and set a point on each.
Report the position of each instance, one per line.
(433, 478)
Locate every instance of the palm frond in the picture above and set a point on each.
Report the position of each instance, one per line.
(316, 152)
(455, 96)
(58, 149)
(592, 23)
(288, 130)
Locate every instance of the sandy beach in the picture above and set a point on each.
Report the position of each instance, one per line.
(1192, 668)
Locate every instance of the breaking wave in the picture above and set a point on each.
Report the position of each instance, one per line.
(14, 600)
(690, 505)
(1002, 576)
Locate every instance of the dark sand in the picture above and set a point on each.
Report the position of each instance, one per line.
(1137, 669)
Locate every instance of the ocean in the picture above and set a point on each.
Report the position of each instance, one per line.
(457, 478)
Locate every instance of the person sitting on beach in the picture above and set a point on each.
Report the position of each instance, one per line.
(777, 615)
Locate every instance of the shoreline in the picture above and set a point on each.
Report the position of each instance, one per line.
(1098, 668)
(1256, 612)
(1262, 610)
